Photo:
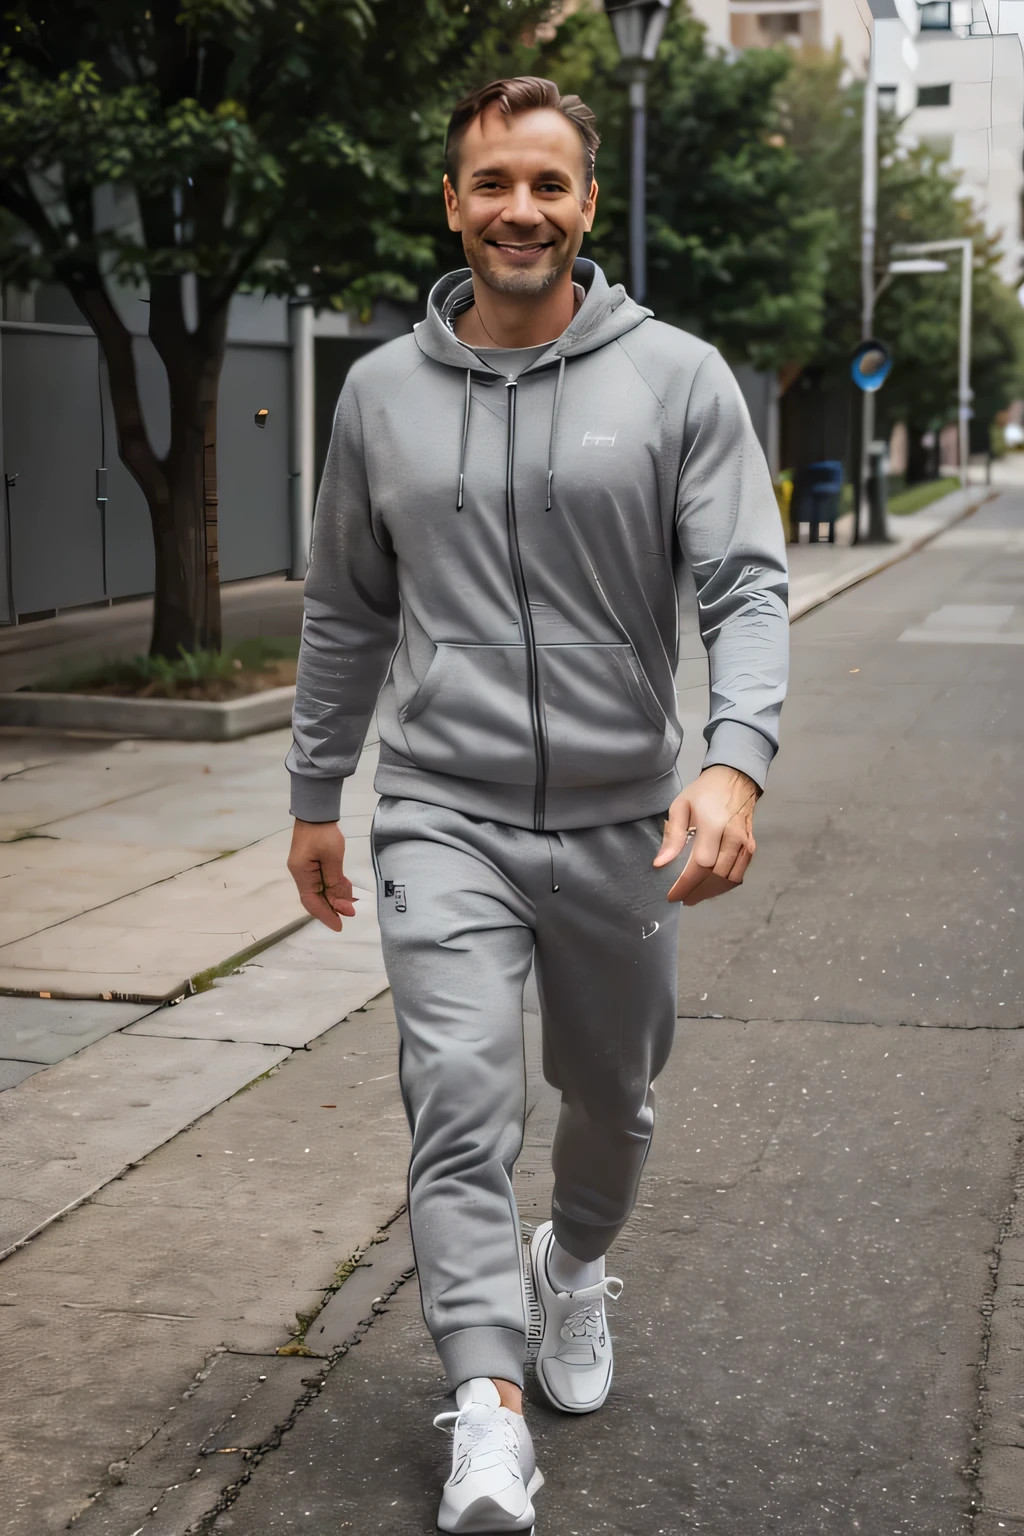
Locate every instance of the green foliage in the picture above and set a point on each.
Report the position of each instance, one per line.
(918, 199)
(162, 677)
(733, 255)
(917, 496)
(258, 144)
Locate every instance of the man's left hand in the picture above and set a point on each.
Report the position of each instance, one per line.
(720, 805)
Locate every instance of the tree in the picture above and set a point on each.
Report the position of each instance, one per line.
(733, 254)
(919, 199)
(266, 144)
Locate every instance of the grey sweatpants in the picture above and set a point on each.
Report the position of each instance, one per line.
(465, 906)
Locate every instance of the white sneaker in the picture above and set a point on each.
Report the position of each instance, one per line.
(574, 1361)
(494, 1472)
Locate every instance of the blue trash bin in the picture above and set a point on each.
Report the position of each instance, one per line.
(817, 496)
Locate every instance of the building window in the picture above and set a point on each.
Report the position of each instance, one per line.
(887, 98)
(933, 95)
(935, 16)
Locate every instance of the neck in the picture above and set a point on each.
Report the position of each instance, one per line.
(514, 319)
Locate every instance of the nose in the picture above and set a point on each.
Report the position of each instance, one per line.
(521, 208)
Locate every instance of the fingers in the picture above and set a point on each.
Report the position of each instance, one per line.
(677, 826)
(318, 906)
(722, 852)
(316, 864)
(335, 885)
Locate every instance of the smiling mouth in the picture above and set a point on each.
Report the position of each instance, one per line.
(532, 249)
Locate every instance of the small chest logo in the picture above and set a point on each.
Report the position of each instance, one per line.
(398, 892)
(599, 439)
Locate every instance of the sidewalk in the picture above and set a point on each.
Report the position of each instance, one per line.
(139, 868)
(142, 872)
(224, 1340)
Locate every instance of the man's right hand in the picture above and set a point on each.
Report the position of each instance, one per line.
(316, 863)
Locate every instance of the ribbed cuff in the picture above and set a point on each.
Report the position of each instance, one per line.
(739, 746)
(483, 1352)
(315, 799)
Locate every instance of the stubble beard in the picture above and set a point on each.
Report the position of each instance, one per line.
(520, 281)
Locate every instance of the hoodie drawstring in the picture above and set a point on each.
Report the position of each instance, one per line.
(554, 423)
(460, 500)
(465, 436)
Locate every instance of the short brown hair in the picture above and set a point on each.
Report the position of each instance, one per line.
(526, 93)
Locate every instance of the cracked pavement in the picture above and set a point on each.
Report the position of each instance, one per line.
(822, 1327)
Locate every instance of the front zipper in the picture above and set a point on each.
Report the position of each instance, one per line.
(540, 744)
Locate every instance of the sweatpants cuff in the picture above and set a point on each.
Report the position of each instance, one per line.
(483, 1352)
(583, 1239)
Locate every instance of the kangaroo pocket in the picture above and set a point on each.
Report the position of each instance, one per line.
(604, 722)
(471, 715)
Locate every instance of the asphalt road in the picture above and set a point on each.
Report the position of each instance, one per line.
(812, 1276)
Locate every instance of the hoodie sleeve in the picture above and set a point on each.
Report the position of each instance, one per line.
(730, 531)
(350, 627)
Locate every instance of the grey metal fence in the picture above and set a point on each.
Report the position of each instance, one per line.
(67, 548)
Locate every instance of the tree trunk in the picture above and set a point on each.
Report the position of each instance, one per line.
(918, 455)
(180, 488)
(187, 588)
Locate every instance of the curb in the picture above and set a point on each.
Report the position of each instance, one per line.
(891, 554)
(178, 720)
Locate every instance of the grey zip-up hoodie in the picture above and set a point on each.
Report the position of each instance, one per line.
(499, 562)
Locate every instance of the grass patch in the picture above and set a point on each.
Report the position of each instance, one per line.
(250, 666)
(917, 496)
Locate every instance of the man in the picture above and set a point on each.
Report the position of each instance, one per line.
(511, 497)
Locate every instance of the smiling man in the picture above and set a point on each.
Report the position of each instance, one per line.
(511, 499)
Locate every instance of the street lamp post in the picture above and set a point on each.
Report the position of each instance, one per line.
(881, 10)
(639, 27)
(931, 248)
(964, 393)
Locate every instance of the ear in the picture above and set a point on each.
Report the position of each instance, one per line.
(590, 206)
(451, 207)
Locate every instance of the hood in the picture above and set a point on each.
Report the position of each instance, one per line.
(605, 314)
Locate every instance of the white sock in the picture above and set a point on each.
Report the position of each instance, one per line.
(570, 1274)
(479, 1389)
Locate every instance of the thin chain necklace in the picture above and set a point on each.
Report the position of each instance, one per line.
(575, 311)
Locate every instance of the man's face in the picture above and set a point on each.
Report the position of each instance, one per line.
(521, 204)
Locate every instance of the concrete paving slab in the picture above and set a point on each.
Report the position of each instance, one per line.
(86, 780)
(289, 993)
(316, 948)
(220, 1236)
(72, 1127)
(204, 812)
(146, 946)
(46, 1030)
(381, 1267)
(236, 1405)
(14, 1072)
(45, 881)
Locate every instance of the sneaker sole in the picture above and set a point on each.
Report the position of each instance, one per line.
(484, 1516)
(537, 1309)
(534, 1318)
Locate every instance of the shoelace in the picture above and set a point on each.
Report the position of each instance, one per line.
(584, 1322)
(498, 1432)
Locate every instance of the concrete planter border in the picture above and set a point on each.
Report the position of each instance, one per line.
(174, 719)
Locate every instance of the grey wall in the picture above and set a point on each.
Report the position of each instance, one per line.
(51, 442)
(56, 408)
